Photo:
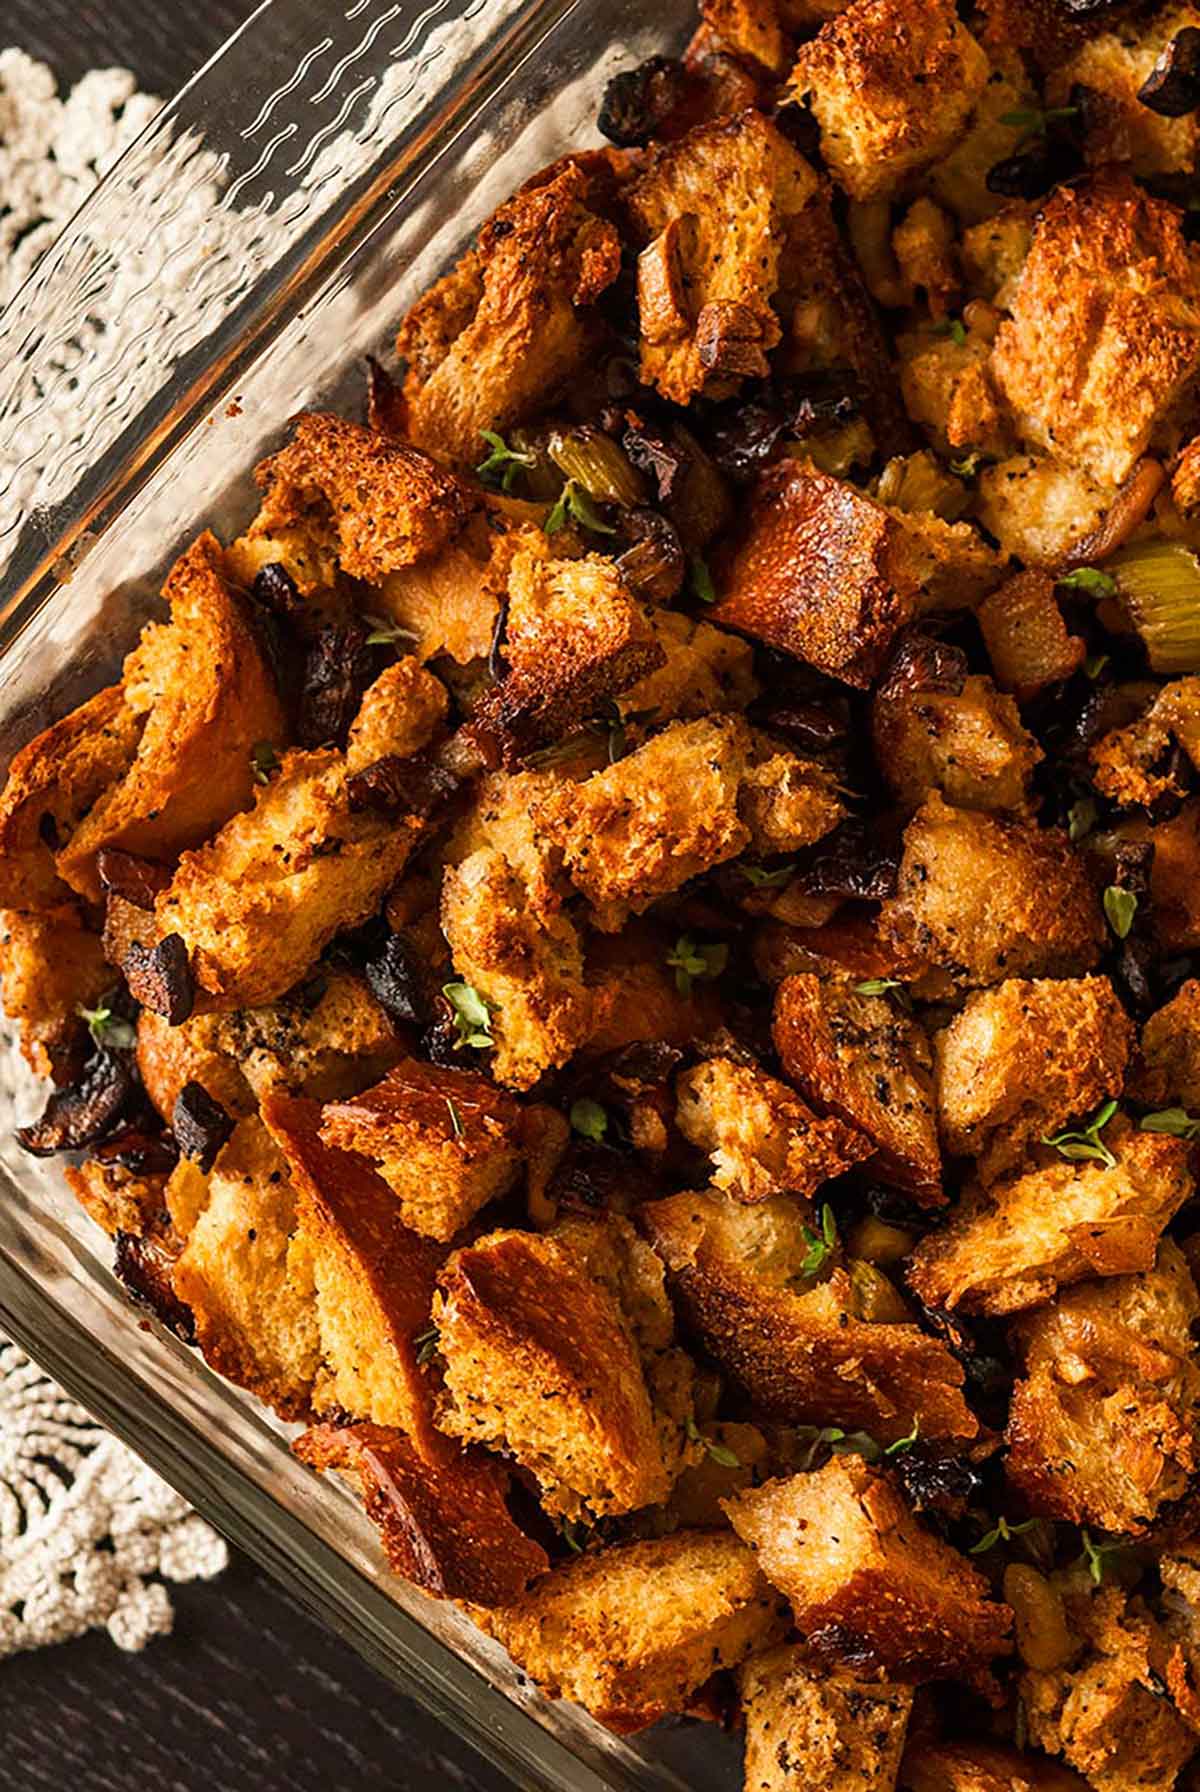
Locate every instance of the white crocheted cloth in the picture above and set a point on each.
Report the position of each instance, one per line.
(88, 1534)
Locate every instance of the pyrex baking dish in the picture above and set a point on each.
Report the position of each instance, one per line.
(263, 236)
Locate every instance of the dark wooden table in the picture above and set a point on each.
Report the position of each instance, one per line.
(248, 1694)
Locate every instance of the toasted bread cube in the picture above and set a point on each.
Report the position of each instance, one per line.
(750, 29)
(949, 390)
(1133, 765)
(786, 801)
(1174, 877)
(558, 1350)
(575, 637)
(812, 1726)
(448, 602)
(446, 1142)
(829, 575)
(1103, 1429)
(1020, 1061)
(1167, 1073)
(983, 1767)
(247, 1280)
(370, 503)
(527, 965)
(374, 1277)
(704, 670)
(194, 1052)
(440, 1510)
(983, 897)
(1040, 510)
(859, 1057)
(629, 1632)
(52, 784)
(1095, 360)
(762, 1138)
(51, 966)
(866, 1582)
(1112, 67)
(934, 727)
(1026, 637)
(959, 179)
(122, 1196)
(500, 336)
(505, 815)
(715, 214)
(891, 86)
(329, 1040)
(800, 1346)
(1062, 1222)
(208, 696)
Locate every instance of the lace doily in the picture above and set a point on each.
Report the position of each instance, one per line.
(88, 1534)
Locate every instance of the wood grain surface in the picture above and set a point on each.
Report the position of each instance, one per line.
(248, 1694)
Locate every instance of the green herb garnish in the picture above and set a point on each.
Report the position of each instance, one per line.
(576, 1534)
(455, 1118)
(1085, 1142)
(877, 986)
(1001, 1532)
(720, 1453)
(472, 1015)
(1120, 906)
(954, 328)
(1175, 1121)
(1094, 1555)
(692, 963)
(766, 880)
(588, 1119)
(263, 761)
(385, 632)
(905, 1443)
(1094, 665)
(838, 1443)
(821, 1245)
(701, 580)
(1089, 579)
(1035, 119)
(503, 464)
(574, 503)
(107, 1028)
(427, 1345)
(967, 467)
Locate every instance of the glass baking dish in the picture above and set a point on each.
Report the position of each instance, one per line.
(261, 237)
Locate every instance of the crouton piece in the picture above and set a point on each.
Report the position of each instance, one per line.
(1019, 1061)
(705, 670)
(829, 575)
(505, 816)
(526, 964)
(208, 696)
(248, 1287)
(750, 29)
(374, 1278)
(328, 1039)
(762, 1138)
(400, 715)
(1097, 358)
(575, 636)
(1040, 509)
(123, 1186)
(935, 727)
(949, 390)
(636, 1000)
(714, 214)
(630, 1632)
(52, 784)
(1026, 637)
(194, 1052)
(370, 502)
(1174, 878)
(805, 1350)
(440, 1511)
(500, 336)
(1134, 764)
(448, 602)
(1108, 1711)
(258, 903)
(813, 1726)
(859, 1057)
(446, 1142)
(983, 897)
(868, 1585)
(923, 243)
(1058, 1223)
(692, 797)
(1103, 1428)
(1111, 68)
(993, 251)
(958, 180)
(891, 87)
(1167, 1073)
(51, 966)
(983, 1767)
(557, 1351)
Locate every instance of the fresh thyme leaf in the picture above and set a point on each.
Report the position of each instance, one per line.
(821, 1244)
(692, 963)
(877, 986)
(1085, 1142)
(905, 1443)
(952, 327)
(472, 1015)
(1002, 1532)
(1090, 580)
(455, 1118)
(588, 1119)
(720, 1453)
(1094, 1554)
(503, 464)
(1035, 119)
(106, 1028)
(1081, 818)
(766, 880)
(1094, 665)
(1176, 1121)
(385, 632)
(701, 580)
(967, 467)
(573, 502)
(427, 1345)
(1120, 906)
(263, 760)
(575, 1534)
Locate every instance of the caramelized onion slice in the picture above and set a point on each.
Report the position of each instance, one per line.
(1128, 511)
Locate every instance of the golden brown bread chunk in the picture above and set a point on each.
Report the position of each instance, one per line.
(762, 1138)
(692, 797)
(446, 1141)
(861, 1058)
(499, 337)
(207, 695)
(447, 602)
(1020, 1061)
(949, 390)
(829, 575)
(258, 902)
(1096, 358)
(809, 1726)
(1174, 877)
(1026, 637)
(1040, 510)
(51, 966)
(983, 1767)
(1133, 765)
(1053, 1224)
(891, 85)
(869, 1587)
(248, 1279)
(801, 1343)
(558, 1351)
(705, 669)
(714, 214)
(1112, 67)
(751, 29)
(629, 1632)
(118, 1197)
(52, 783)
(504, 815)
(983, 897)
(440, 1511)
(1103, 1428)
(368, 503)
(374, 1277)
(1167, 1071)
(635, 999)
(935, 728)
(526, 964)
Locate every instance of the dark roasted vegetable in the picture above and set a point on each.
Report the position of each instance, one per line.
(385, 405)
(338, 667)
(638, 102)
(653, 563)
(160, 978)
(1172, 88)
(107, 1093)
(143, 1266)
(858, 860)
(138, 881)
(200, 1125)
(397, 981)
(396, 786)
